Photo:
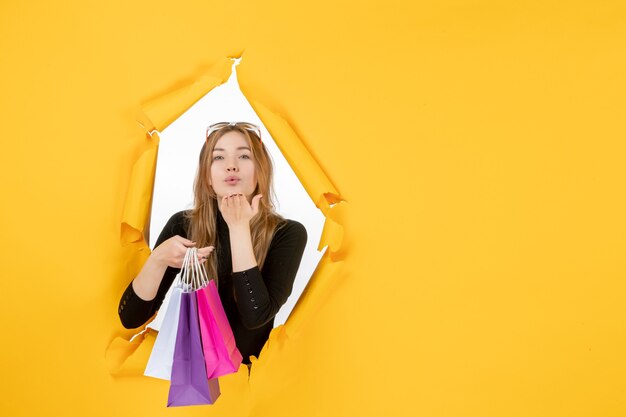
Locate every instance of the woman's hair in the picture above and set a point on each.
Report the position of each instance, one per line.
(203, 217)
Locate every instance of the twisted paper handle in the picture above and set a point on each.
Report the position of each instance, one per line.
(194, 276)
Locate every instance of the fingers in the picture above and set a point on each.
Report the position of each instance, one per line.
(231, 198)
(184, 241)
(236, 209)
(233, 201)
(256, 200)
(225, 203)
(203, 253)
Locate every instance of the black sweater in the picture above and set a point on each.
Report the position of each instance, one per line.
(251, 298)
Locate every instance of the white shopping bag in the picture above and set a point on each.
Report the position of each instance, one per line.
(160, 362)
(162, 356)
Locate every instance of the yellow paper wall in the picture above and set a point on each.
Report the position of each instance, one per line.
(479, 253)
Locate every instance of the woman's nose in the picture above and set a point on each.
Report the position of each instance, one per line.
(232, 167)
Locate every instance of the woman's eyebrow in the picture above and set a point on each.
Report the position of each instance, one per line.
(239, 148)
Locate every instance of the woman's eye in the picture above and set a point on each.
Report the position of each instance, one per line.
(245, 156)
(215, 158)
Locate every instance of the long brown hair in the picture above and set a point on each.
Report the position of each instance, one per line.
(203, 217)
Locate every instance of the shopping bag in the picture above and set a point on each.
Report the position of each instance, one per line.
(220, 351)
(162, 355)
(213, 317)
(210, 344)
(189, 383)
(160, 362)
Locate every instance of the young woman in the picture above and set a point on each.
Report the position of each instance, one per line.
(251, 251)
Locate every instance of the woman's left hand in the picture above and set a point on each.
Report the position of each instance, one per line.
(237, 211)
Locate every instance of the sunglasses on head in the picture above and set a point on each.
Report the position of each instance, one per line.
(244, 125)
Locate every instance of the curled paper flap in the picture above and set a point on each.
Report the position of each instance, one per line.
(129, 357)
(136, 214)
(162, 110)
(332, 234)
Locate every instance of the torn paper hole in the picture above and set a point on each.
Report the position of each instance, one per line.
(177, 162)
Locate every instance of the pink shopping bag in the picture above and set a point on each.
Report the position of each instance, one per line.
(210, 344)
(220, 351)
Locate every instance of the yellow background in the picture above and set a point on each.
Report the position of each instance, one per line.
(478, 147)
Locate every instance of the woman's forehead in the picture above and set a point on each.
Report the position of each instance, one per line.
(232, 139)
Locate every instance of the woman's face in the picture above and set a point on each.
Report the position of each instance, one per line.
(233, 166)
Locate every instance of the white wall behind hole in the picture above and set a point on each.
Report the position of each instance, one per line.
(177, 163)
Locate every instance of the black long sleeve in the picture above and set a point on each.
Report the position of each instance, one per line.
(260, 294)
(251, 298)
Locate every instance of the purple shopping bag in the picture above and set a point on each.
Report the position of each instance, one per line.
(189, 382)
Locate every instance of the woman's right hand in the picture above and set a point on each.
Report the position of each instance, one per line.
(172, 252)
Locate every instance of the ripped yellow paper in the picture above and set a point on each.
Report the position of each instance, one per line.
(473, 155)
